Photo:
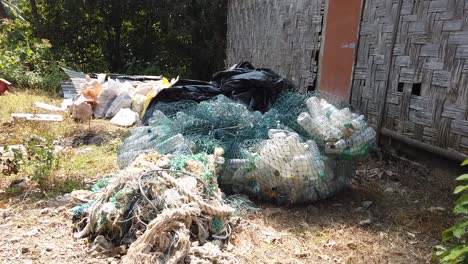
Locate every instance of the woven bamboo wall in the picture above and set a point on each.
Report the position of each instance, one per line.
(283, 35)
(427, 96)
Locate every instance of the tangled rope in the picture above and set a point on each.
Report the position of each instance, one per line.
(164, 215)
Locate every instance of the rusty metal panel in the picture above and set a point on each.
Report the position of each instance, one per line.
(340, 39)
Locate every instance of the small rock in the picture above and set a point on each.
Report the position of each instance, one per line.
(48, 249)
(103, 242)
(330, 244)
(389, 190)
(365, 222)
(32, 232)
(366, 204)
(24, 250)
(58, 149)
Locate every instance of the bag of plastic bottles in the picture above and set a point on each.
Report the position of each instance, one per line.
(338, 130)
(124, 100)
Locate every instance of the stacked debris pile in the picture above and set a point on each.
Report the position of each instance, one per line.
(122, 102)
(167, 209)
(302, 149)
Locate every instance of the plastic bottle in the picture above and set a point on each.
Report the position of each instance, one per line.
(355, 152)
(319, 127)
(340, 118)
(327, 108)
(158, 118)
(358, 123)
(177, 143)
(356, 140)
(314, 107)
(318, 163)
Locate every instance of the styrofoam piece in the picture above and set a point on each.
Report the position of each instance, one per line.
(48, 106)
(39, 117)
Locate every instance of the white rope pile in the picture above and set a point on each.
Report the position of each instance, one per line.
(165, 216)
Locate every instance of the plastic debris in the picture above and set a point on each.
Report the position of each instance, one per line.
(48, 107)
(39, 117)
(283, 155)
(66, 104)
(124, 100)
(106, 98)
(138, 103)
(125, 117)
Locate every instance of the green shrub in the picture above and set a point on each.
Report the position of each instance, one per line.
(455, 238)
(40, 159)
(26, 61)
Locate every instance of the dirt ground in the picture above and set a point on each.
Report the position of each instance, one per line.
(394, 213)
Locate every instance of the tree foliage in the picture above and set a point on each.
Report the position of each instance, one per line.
(25, 60)
(150, 37)
(172, 37)
(455, 238)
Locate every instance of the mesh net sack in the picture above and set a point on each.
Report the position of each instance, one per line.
(285, 169)
(301, 150)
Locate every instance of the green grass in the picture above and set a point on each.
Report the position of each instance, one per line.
(23, 102)
(75, 164)
(13, 133)
(87, 162)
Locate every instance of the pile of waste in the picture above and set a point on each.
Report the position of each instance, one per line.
(122, 102)
(268, 142)
(164, 208)
(126, 102)
(302, 149)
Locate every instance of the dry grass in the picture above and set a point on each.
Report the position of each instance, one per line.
(14, 132)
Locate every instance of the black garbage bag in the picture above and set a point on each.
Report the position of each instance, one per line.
(258, 89)
(187, 90)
